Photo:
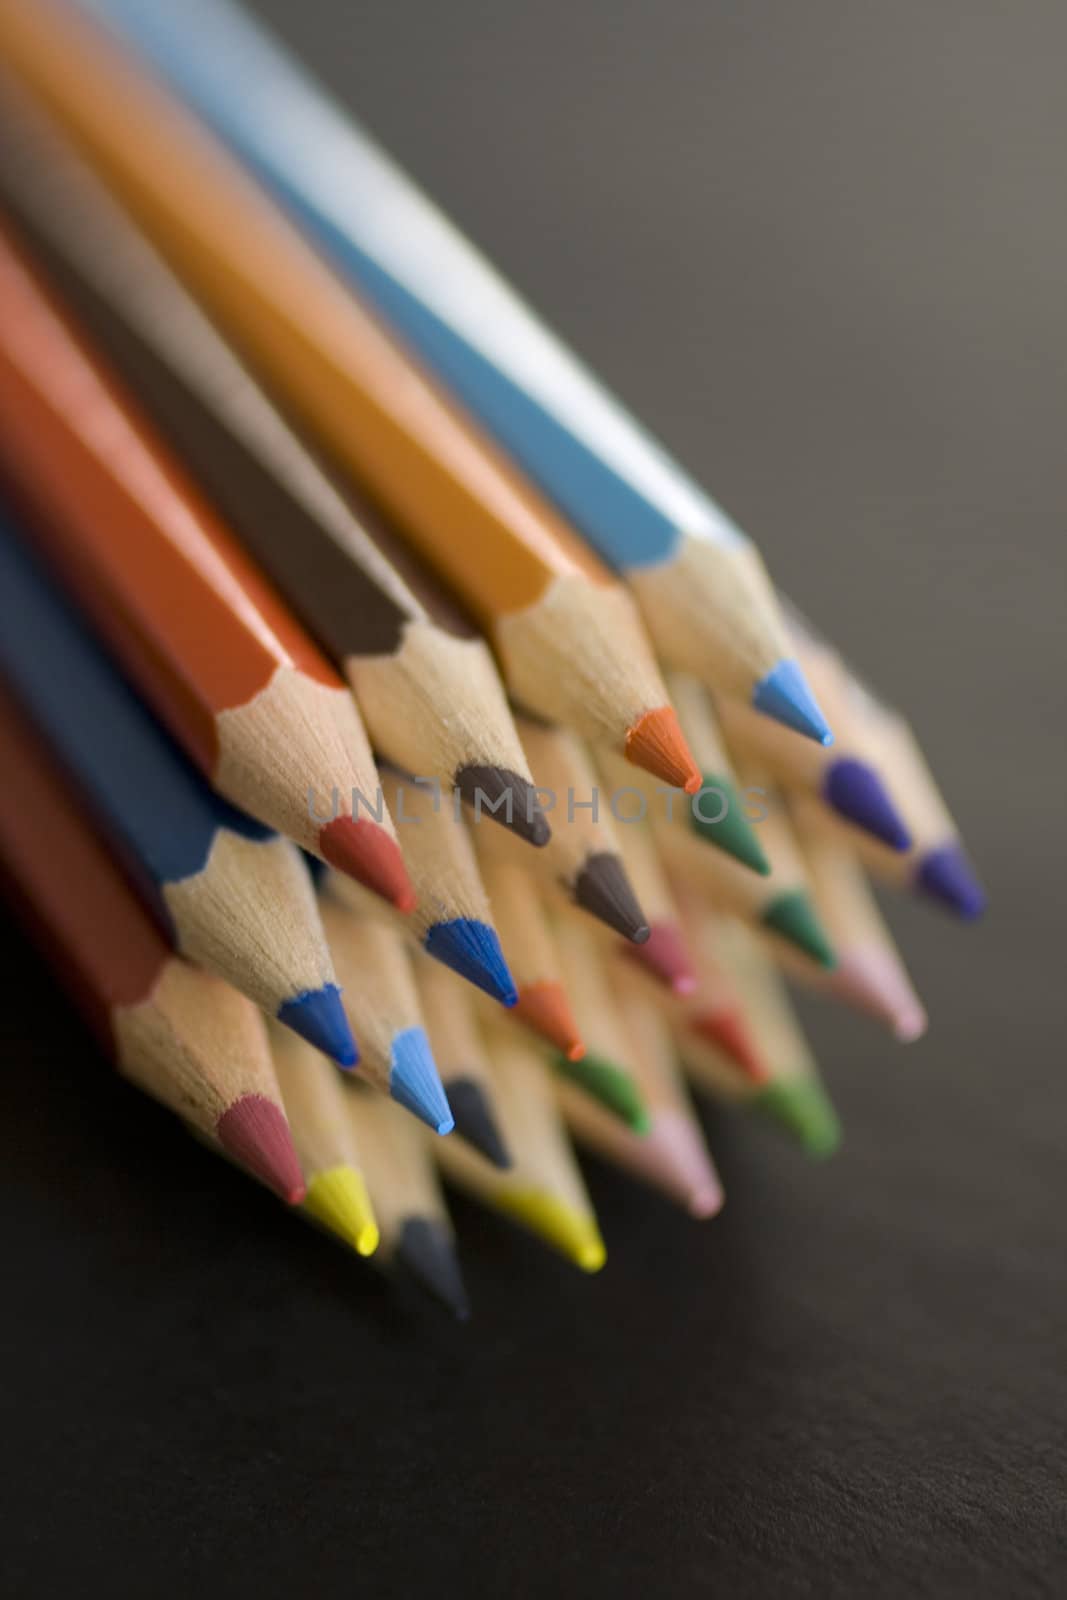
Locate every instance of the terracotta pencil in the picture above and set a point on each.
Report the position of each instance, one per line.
(425, 681)
(566, 633)
(181, 1036)
(227, 892)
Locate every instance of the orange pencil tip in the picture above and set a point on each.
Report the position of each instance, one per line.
(544, 1007)
(657, 744)
(729, 1031)
(362, 850)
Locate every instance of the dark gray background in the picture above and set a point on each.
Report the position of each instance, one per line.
(821, 249)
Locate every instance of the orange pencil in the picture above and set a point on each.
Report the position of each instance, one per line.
(567, 634)
(207, 640)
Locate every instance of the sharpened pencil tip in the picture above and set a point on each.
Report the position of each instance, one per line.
(945, 875)
(545, 1008)
(665, 956)
(572, 1233)
(476, 1120)
(793, 916)
(338, 1199)
(364, 851)
(319, 1017)
(856, 792)
(472, 949)
(610, 1085)
(657, 744)
(427, 1254)
(721, 821)
(729, 1031)
(784, 695)
(804, 1110)
(603, 889)
(414, 1082)
(873, 980)
(254, 1132)
(497, 794)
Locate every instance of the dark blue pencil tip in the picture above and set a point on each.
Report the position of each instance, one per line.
(784, 695)
(414, 1083)
(945, 874)
(473, 950)
(855, 790)
(319, 1017)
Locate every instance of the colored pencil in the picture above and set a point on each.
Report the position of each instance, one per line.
(870, 974)
(181, 1036)
(664, 952)
(446, 1004)
(542, 1190)
(701, 583)
(416, 1240)
(781, 904)
(425, 682)
(718, 812)
(314, 1098)
(206, 640)
(715, 1011)
(529, 947)
(602, 1072)
(582, 857)
(228, 893)
(566, 633)
(795, 1098)
(672, 1156)
(381, 1001)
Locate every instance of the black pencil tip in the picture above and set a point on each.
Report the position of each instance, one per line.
(603, 889)
(427, 1254)
(498, 795)
(476, 1121)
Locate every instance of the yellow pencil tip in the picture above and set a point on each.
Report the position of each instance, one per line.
(339, 1200)
(573, 1233)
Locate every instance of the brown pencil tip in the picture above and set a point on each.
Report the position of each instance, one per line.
(603, 889)
(255, 1133)
(729, 1031)
(499, 795)
(362, 850)
(544, 1007)
(657, 744)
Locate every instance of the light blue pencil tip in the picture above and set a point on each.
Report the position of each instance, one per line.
(414, 1083)
(472, 949)
(319, 1017)
(784, 695)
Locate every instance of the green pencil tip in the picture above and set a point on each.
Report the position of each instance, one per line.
(793, 916)
(719, 818)
(608, 1084)
(804, 1110)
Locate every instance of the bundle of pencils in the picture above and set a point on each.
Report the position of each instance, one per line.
(366, 667)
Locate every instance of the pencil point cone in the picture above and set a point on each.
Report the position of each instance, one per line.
(657, 744)
(472, 949)
(729, 1031)
(364, 851)
(572, 1233)
(856, 792)
(544, 1007)
(804, 1110)
(793, 916)
(603, 889)
(427, 1254)
(731, 831)
(664, 954)
(683, 1151)
(319, 1017)
(945, 875)
(873, 981)
(339, 1200)
(476, 1120)
(609, 1085)
(254, 1132)
(784, 695)
(499, 795)
(414, 1083)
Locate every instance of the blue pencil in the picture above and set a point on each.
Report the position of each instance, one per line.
(232, 895)
(701, 584)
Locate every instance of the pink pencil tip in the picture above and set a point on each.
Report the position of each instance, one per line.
(255, 1133)
(664, 954)
(872, 980)
(364, 851)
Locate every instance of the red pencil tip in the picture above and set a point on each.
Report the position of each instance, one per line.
(664, 954)
(730, 1031)
(365, 852)
(544, 1007)
(657, 743)
(255, 1133)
